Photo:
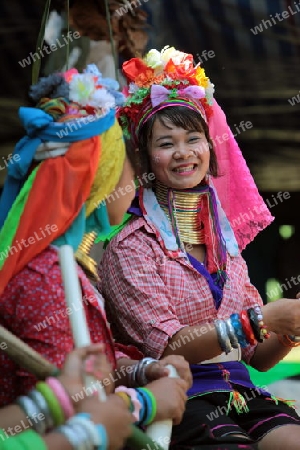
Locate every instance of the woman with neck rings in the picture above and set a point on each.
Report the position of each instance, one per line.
(177, 283)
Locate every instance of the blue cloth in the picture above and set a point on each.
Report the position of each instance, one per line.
(216, 290)
(40, 127)
(98, 221)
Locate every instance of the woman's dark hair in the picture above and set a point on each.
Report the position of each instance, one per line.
(182, 117)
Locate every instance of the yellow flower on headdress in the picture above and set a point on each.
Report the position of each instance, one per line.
(201, 78)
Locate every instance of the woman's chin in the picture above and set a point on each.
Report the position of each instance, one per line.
(187, 182)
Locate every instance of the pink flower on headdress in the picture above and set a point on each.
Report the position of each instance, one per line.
(68, 75)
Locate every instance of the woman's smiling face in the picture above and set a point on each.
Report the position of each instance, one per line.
(179, 158)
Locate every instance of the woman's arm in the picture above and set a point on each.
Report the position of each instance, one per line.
(195, 344)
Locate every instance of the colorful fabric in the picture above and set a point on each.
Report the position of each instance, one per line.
(210, 377)
(236, 189)
(64, 168)
(154, 292)
(110, 169)
(71, 181)
(40, 127)
(206, 425)
(33, 307)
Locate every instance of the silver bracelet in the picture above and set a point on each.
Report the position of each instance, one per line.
(138, 376)
(32, 412)
(41, 403)
(231, 333)
(141, 372)
(223, 337)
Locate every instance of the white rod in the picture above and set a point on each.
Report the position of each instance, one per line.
(160, 432)
(73, 294)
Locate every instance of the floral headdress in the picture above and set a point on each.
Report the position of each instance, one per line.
(161, 79)
(170, 78)
(69, 160)
(74, 95)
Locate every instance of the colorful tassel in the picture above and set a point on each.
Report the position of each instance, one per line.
(237, 401)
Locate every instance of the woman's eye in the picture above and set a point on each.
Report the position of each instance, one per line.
(165, 145)
(194, 139)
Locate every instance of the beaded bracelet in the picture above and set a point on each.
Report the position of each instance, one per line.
(237, 325)
(53, 403)
(246, 326)
(62, 396)
(263, 329)
(223, 337)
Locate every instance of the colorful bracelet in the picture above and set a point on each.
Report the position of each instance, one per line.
(62, 396)
(132, 393)
(97, 433)
(151, 405)
(53, 403)
(27, 440)
(246, 325)
(237, 325)
(263, 329)
(126, 399)
(77, 436)
(32, 414)
(254, 324)
(287, 341)
(41, 403)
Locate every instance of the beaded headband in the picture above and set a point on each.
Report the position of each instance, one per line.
(159, 80)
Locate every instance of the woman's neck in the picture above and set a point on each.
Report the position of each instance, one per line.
(183, 210)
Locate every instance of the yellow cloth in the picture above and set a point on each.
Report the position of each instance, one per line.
(110, 167)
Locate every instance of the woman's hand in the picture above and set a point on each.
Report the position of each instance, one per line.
(86, 360)
(283, 316)
(113, 414)
(155, 371)
(170, 394)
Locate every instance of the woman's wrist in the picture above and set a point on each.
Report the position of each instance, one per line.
(289, 340)
(46, 406)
